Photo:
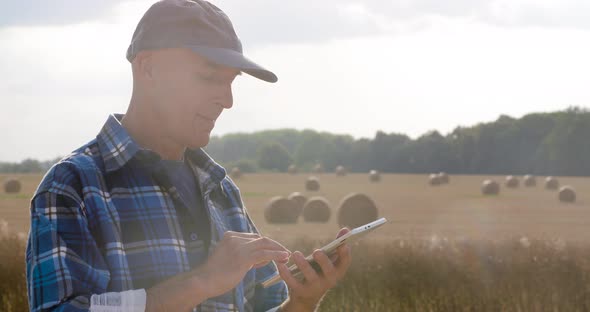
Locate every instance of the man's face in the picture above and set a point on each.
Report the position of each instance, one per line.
(189, 94)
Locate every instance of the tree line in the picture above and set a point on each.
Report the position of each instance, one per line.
(28, 165)
(555, 143)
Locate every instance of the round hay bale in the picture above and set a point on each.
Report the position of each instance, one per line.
(12, 186)
(530, 181)
(236, 173)
(444, 178)
(318, 168)
(490, 187)
(292, 169)
(434, 180)
(317, 209)
(511, 182)
(551, 183)
(280, 210)
(341, 171)
(355, 210)
(312, 184)
(567, 194)
(374, 176)
(299, 200)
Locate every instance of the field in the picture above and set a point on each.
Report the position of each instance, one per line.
(445, 248)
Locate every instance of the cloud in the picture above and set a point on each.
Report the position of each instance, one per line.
(453, 74)
(548, 13)
(276, 22)
(272, 22)
(551, 13)
(339, 68)
(267, 22)
(55, 12)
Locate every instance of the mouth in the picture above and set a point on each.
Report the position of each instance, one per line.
(207, 118)
(206, 123)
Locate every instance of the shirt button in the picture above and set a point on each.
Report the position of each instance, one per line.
(193, 236)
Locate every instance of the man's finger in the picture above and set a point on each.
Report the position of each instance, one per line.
(325, 263)
(342, 231)
(328, 270)
(258, 256)
(241, 234)
(334, 257)
(308, 272)
(266, 243)
(289, 279)
(344, 260)
(261, 264)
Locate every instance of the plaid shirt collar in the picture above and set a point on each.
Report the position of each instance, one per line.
(117, 148)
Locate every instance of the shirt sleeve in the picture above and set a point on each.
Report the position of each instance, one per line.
(268, 298)
(64, 266)
(125, 301)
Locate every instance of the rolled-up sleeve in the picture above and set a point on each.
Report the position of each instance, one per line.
(64, 265)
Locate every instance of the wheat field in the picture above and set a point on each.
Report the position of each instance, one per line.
(445, 248)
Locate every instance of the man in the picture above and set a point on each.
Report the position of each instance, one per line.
(141, 218)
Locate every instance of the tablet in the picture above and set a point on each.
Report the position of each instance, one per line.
(329, 249)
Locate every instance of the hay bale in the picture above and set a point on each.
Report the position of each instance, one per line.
(299, 200)
(374, 176)
(434, 180)
(317, 209)
(355, 210)
(292, 169)
(12, 186)
(235, 173)
(511, 182)
(567, 194)
(530, 181)
(444, 178)
(318, 168)
(312, 184)
(341, 171)
(490, 187)
(551, 183)
(280, 210)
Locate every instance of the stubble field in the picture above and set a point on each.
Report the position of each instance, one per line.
(445, 248)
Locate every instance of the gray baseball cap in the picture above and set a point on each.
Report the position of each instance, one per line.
(197, 25)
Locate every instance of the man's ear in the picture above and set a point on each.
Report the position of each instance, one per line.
(143, 65)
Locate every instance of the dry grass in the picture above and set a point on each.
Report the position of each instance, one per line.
(444, 249)
(435, 274)
(13, 288)
(414, 209)
(464, 276)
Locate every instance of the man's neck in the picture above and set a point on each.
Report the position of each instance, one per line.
(142, 127)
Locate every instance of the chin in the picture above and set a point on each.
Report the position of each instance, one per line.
(200, 141)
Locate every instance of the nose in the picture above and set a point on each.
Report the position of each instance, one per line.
(226, 99)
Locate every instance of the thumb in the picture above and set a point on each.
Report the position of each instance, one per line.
(343, 231)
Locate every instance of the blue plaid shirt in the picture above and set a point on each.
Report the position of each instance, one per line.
(106, 219)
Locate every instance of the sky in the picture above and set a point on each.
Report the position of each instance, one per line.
(347, 67)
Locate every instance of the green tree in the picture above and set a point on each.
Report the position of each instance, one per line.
(274, 156)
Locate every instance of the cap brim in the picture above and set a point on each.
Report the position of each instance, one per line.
(235, 59)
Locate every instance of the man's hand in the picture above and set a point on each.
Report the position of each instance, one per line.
(304, 296)
(235, 254)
